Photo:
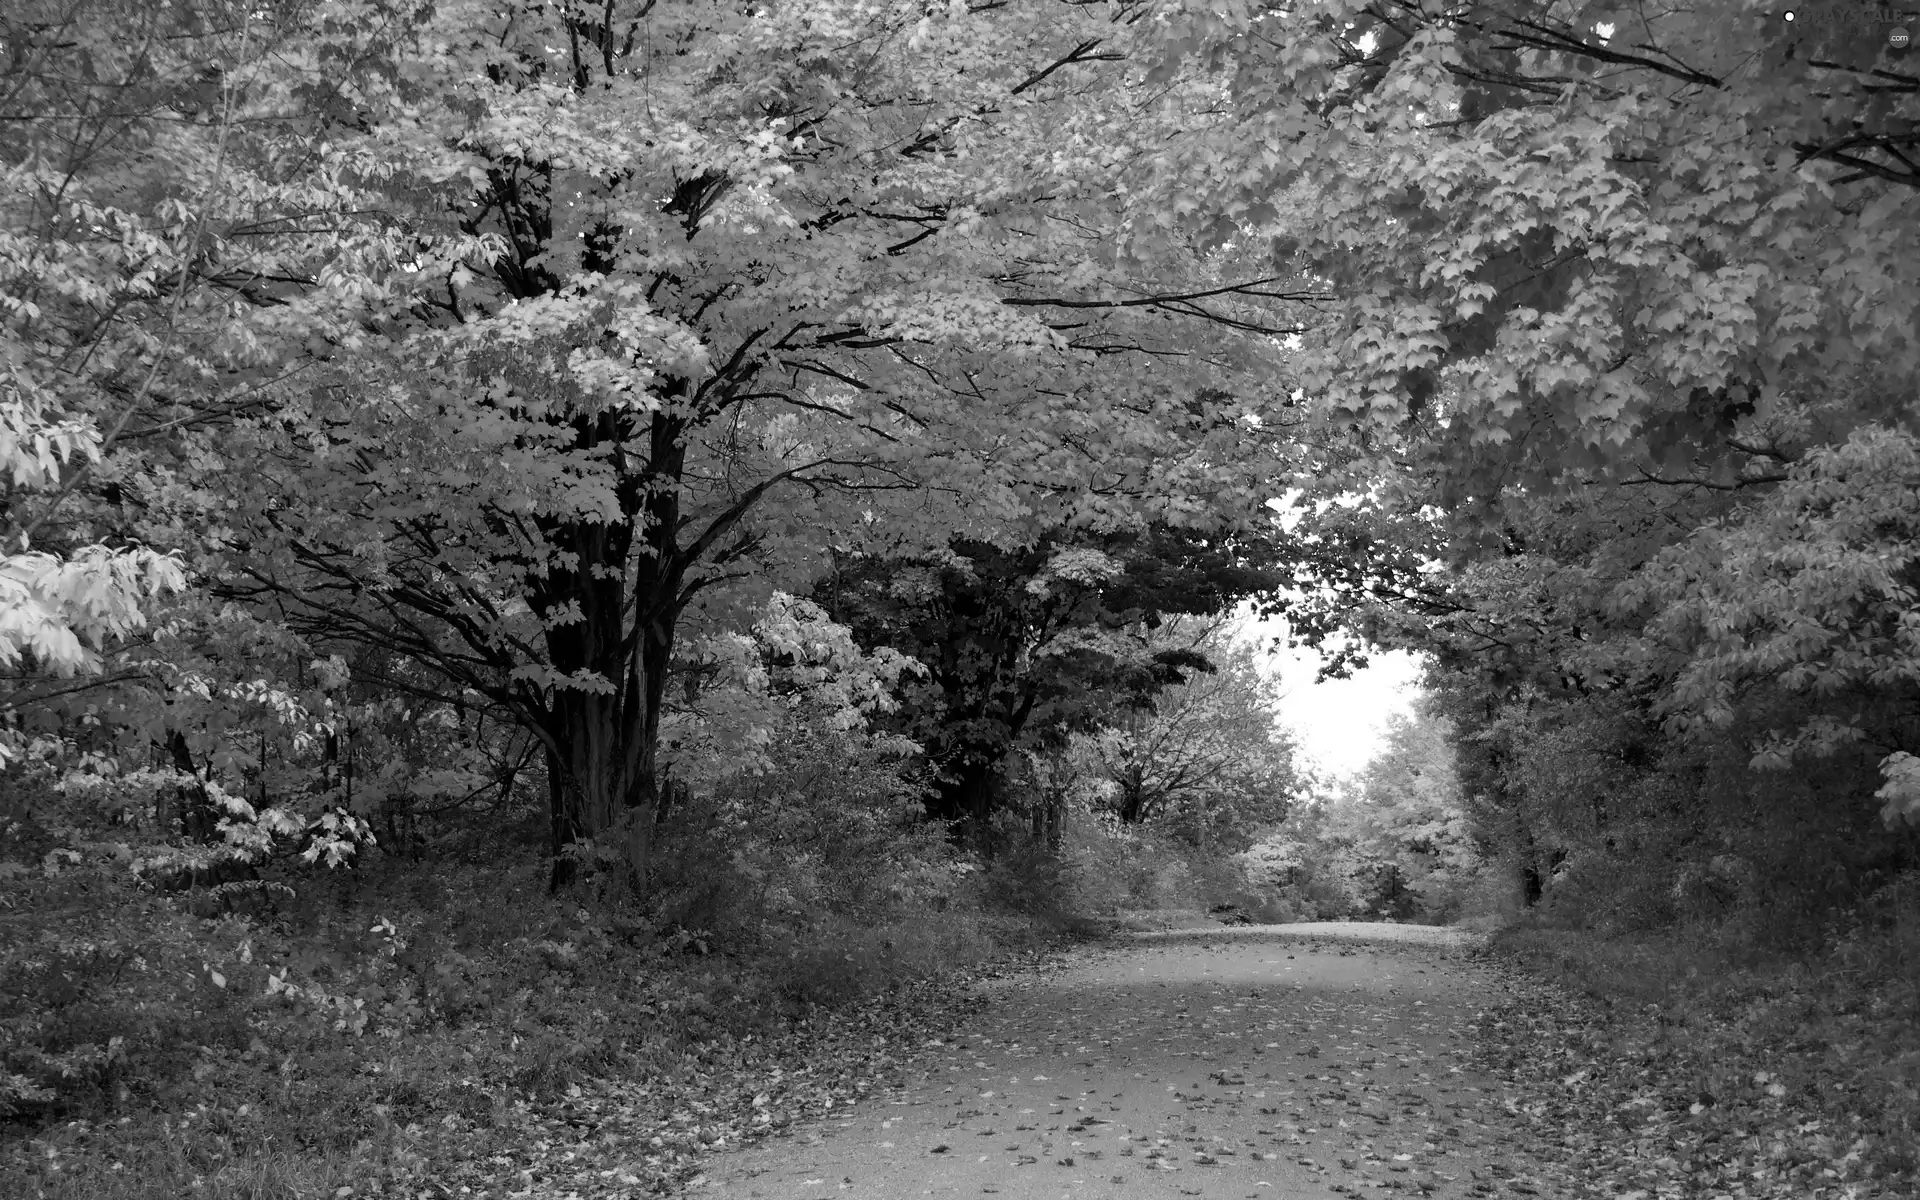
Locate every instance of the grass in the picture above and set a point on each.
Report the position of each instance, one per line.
(423, 1027)
(124, 1163)
(1764, 1011)
(493, 1016)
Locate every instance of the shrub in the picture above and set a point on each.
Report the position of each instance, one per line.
(1028, 878)
(1109, 869)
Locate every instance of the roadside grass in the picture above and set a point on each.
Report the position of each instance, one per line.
(419, 1027)
(382, 1036)
(1760, 1038)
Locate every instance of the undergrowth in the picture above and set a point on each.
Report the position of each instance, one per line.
(426, 1017)
(1778, 1045)
(389, 1027)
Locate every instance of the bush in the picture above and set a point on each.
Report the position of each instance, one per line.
(1108, 870)
(829, 823)
(1028, 878)
(358, 1024)
(108, 986)
(339, 1029)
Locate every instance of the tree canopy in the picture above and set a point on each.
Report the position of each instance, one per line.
(576, 531)
(507, 358)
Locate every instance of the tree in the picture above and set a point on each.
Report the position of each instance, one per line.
(1026, 647)
(1633, 675)
(1204, 756)
(1621, 240)
(165, 226)
(1797, 615)
(1414, 819)
(171, 232)
(1398, 841)
(687, 286)
(1632, 283)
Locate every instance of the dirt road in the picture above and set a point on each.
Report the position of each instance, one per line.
(1270, 1062)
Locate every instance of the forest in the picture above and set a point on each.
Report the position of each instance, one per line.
(555, 541)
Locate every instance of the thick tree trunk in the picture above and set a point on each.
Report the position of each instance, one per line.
(603, 766)
(614, 608)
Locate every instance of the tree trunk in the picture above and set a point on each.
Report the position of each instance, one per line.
(1133, 795)
(1532, 886)
(964, 800)
(979, 801)
(603, 769)
(613, 609)
(1056, 819)
(1045, 818)
(199, 821)
(330, 767)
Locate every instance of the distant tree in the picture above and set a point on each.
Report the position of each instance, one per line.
(1205, 757)
(1397, 841)
(1410, 816)
(1025, 648)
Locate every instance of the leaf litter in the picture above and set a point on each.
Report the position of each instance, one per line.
(625, 1138)
(1521, 1090)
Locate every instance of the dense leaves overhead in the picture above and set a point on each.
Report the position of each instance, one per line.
(1617, 358)
(676, 264)
(422, 421)
(1570, 239)
(158, 254)
(518, 352)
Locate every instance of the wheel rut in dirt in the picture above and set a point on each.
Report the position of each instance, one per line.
(1272, 1062)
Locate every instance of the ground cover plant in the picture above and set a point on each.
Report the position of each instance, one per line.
(1716, 1058)
(389, 1031)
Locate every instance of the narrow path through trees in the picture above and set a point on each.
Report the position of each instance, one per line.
(1268, 1061)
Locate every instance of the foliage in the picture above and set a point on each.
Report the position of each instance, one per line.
(1140, 876)
(743, 688)
(1643, 701)
(152, 974)
(454, 1040)
(682, 304)
(1802, 606)
(1686, 697)
(1024, 648)
(1619, 240)
(703, 442)
(1619, 412)
(829, 828)
(1204, 757)
(104, 969)
(1410, 814)
(169, 227)
(1395, 843)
